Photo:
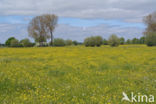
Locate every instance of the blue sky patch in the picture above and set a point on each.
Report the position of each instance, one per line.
(71, 21)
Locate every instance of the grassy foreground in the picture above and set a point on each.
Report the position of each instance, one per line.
(76, 75)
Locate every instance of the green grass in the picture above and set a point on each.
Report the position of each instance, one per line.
(76, 75)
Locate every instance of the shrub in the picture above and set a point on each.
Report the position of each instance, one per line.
(14, 43)
(26, 43)
(128, 41)
(142, 40)
(2, 45)
(86, 42)
(75, 42)
(8, 42)
(68, 42)
(98, 40)
(93, 41)
(122, 40)
(151, 39)
(59, 42)
(135, 41)
(89, 42)
(114, 40)
(105, 42)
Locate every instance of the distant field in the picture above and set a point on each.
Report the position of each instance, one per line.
(76, 75)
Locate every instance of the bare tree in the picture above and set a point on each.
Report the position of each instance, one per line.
(150, 32)
(150, 21)
(41, 27)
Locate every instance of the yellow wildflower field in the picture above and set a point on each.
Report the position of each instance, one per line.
(76, 74)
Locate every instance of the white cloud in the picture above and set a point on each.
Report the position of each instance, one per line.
(124, 10)
(71, 32)
(9, 30)
(108, 9)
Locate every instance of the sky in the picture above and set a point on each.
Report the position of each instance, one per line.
(78, 19)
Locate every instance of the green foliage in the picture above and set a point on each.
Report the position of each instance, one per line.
(8, 42)
(98, 40)
(26, 43)
(93, 41)
(59, 42)
(105, 42)
(68, 42)
(135, 41)
(142, 40)
(89, 42)
(114, 40)
(128, 41)
(122, 40)
(2, 45)
(75, 42)
(151, 39)
(14, 43)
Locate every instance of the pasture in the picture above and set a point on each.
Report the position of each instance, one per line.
(76, 74)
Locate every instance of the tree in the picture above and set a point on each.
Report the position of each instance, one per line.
(8, 42)
(89, 41)
(98, 40)
(93, 41)
(135, 41)
(105, 42)
(128, 41)
(151, 39)
(26, 43)
(75, 42)
(142, 40)
(59, 42)
(2, 45)
(69, 42)
(114, 40)
(122, 40)
(41, 27)
(150, 32)
(14, 43)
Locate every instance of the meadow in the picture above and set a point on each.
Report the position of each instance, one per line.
(76, 74)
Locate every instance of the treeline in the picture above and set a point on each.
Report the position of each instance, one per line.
(13, 42)
(88, 42)
(113, 40)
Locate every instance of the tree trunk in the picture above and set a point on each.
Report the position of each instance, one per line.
(51, 38)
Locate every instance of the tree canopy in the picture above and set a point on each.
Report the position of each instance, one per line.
(41, 27)
(150, 32)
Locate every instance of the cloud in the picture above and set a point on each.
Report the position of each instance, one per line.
(127, 10)
(11, 30)
(99, 17)
(71, 32)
